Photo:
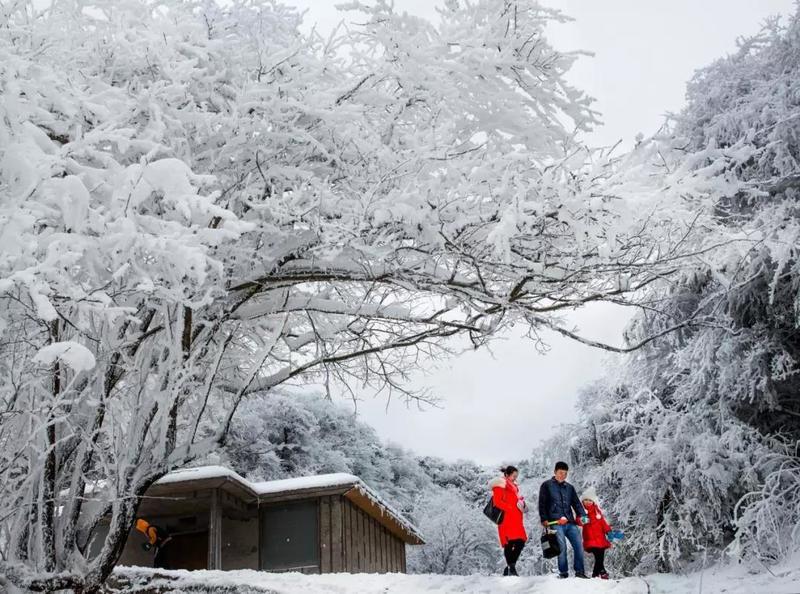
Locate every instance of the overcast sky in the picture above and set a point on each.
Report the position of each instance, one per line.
(496, 408)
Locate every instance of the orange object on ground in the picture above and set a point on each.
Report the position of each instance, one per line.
(146, 528)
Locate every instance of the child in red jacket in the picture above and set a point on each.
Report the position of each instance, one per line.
(595, 530)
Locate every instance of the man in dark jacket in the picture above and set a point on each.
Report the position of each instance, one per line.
(558, 508)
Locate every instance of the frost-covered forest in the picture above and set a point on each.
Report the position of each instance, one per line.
(206, 214)
(696, 438)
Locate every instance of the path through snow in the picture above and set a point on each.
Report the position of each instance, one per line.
(784, 579)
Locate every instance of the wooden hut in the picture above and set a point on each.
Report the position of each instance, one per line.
(215, 519)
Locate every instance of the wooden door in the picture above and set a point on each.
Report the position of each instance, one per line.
(290, 537)
(187, 551)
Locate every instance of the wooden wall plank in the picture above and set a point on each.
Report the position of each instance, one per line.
(365, 540)
(358, 543)
(325, 536)
(378, 547)
(362, 542)
(353, 542)
(373, 567)
(389, 553)
(215, 532)
(376, 511)
(398, 545)
(345, 536)
(387, 557)
(337, 535)
(384, 546)
(381, 549)
(399, 555)
(367, 546)
(374, 542)
(352, 551)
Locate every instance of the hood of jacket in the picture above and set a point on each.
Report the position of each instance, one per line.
(500, 481)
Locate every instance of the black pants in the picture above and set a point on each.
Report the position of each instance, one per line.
(512, 551)
(599, 558)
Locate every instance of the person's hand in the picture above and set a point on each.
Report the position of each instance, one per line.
(562, 521)
(521, 505)
(544, 523)
(584, 519)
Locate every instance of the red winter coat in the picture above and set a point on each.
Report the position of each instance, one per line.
(505, 495)
(594, 532)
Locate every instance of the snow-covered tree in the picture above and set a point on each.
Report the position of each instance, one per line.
(285, 435)
(459, 540)
(466, 477)
(694, 439)
(199, 203)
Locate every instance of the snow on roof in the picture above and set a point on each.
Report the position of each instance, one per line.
(200, 473)
(320, 481)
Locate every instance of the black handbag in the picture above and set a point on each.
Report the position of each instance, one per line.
(550, 546)
(494, 513)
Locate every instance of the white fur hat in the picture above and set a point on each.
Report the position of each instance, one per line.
(589, 494)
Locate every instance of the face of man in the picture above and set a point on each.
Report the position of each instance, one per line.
(561, 475)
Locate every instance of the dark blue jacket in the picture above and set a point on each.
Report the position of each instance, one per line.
(559, 499)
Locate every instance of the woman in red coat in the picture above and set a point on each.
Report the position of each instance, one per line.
(595, 530)
(505, 495)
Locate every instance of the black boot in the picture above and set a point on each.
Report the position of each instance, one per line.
(512, 570)
(505, 571)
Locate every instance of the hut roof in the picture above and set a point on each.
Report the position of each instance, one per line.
(347, 485)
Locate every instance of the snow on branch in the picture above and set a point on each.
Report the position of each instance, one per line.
(199, 203)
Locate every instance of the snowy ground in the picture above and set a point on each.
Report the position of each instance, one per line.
(784, 579)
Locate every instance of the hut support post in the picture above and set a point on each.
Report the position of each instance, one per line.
(215, 532)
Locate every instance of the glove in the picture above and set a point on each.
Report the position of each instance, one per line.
(615, 535)
(562, 521)
(521, 505)
(584, 520)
